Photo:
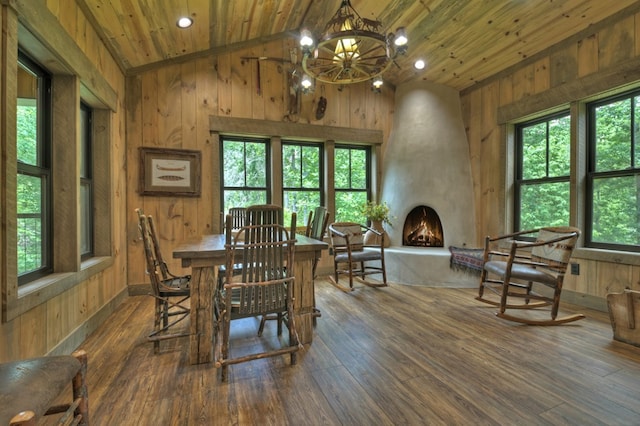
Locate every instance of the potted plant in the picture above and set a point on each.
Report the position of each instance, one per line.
(378, 214)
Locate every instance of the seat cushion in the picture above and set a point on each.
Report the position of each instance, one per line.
(524, 272)
(359, 256)
(34, 384)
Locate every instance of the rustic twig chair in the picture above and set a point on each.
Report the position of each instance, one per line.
(164, 290)
(350, 254)
(317, 223)
(515, 268)
(237, 214)
(264, 287)
(316, 228)
(182, 280)
(263, 214)
(30, 387)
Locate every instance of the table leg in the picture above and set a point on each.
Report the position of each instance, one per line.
(304, 300)
(201, 338)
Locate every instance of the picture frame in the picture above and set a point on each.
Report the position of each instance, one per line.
(169, 172)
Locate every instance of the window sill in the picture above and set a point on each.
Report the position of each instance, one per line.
(621, 257)
(39, 291)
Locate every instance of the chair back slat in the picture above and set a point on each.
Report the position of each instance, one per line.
(263, 214)
(353, 231)
(557, 252)
(267, 255)
(149, 252)
(151, 227)
(237, 216)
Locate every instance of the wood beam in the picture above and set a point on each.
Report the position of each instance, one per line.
(249, 126)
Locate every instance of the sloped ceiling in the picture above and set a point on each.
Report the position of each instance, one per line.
(462, 41)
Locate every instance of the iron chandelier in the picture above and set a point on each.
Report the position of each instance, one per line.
(351, 49)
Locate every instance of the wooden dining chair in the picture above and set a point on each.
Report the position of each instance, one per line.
(519, 265)
(317, 223)
(169, 293)
(352, 257)
(180, 280)
(264, 287)
(262, 214)
(316, 228)
(237, 214)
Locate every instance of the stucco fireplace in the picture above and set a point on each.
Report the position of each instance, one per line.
(427, 168)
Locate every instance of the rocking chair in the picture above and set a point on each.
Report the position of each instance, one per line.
(514, 268)
(350, 255)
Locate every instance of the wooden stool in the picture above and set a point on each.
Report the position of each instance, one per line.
(29, 387)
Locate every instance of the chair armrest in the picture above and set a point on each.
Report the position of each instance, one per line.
(338, 233)
(512, 235)
(375, 231)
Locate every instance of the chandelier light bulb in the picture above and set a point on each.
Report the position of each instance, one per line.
(306, 82)
(306, 39)
(401, 37)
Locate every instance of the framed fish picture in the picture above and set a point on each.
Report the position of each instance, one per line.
(169, 172)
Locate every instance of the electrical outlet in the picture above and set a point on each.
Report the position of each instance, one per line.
(575, 269)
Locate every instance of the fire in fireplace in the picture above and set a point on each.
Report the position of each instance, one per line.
(422, 228)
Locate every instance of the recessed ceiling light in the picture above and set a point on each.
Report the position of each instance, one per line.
(184, 22)
(419, 64)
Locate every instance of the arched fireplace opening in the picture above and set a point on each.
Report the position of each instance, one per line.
(422, 228)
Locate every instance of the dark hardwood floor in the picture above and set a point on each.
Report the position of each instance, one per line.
(396, 355)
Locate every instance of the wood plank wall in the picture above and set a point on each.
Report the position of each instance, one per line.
(595, 61)
(169, 107)
(69, 316)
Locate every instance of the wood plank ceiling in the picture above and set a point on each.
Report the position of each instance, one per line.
(462, 41)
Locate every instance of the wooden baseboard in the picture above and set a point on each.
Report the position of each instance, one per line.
(79, 335)
(139, 289)
(586, 300)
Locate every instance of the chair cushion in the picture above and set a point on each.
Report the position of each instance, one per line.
(528, 273)
(34, 384)
(359, 256)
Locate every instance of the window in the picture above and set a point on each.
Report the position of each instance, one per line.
(543, 166)
(86, 183)
(301, 179)
(352, 182)
(33, 190)
(244, 172)
(613, 176)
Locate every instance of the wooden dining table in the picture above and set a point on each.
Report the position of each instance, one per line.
(204, 254)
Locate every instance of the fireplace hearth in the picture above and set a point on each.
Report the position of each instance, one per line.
(422, 228)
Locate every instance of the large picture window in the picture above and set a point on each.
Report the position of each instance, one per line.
(244, 172)
(301, 179)
(34, 171)
(352, 182)
(543, 165)
(613, 177)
